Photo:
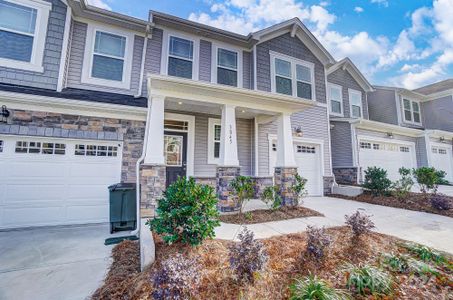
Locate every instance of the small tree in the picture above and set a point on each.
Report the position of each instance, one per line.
(271, 197)
(243, 188)
(427, 178)
(403, 186)
(187, 213)
(299, 189)
(376, 181)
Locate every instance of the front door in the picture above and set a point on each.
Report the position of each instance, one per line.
(175, 150)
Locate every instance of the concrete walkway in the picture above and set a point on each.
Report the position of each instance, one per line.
(428, 229)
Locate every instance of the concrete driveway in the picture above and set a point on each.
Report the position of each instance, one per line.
(53, 263)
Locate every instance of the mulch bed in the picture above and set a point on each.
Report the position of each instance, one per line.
(269, 215)
(288, 260)
(414, 201)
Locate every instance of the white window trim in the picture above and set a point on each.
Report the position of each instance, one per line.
(329, 86)
(89, 52)
(166, 51)
(211, 123)
(412, 111)
(294, 61)
(350, 93)
(39, 37)
(214, 62)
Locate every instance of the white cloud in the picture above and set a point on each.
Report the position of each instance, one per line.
(404, 49)
(100, 4)
(358, 9)
(381, 2)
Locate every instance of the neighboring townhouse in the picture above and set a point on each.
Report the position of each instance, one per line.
(94, 97)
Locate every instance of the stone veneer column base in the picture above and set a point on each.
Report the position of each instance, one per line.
(346, 175)
(152, 187)
(227, 199)
(285, 178)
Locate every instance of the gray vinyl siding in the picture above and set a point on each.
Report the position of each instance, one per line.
(153, 57)
(52, 54)
(341, 137)
(246, 70)
(293, 47)
(382, 106)
(78, 44)
(438, 114)
(205, 61)
(344, 79)
(244, 138)
(314, 125)
(422, 156)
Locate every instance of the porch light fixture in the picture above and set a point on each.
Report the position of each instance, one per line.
(390, 135)
(442, 139)
(4, 114)
(298, 131)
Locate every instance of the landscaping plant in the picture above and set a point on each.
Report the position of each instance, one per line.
(360, 223)
(187, 213)
(178, 278)
(247, 257)
(317, 242)
(425, 253)
(428, 179)
(376, 181)
(312, 288)
(243, 188)
(299, 189)
(441, 202)
(271, 197)
(403, 186)
(368, 280)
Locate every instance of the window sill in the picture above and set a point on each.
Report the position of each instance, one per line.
(337, 114)
(106, 83)
(20, 65)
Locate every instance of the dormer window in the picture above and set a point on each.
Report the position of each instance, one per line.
(411, 111)
(180, 57)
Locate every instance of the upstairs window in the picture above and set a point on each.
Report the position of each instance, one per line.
(411, 111)
(292, 77)
(108, 56)
(180, 57)
(23, 28)
(227, 67)
(355, 102)
(336, 99)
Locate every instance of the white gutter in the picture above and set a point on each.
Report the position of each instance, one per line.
(142, 65)
(137, 170)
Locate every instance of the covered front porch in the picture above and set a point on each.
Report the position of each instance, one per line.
(209, 132)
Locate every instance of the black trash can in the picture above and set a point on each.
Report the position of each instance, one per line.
(123, 207)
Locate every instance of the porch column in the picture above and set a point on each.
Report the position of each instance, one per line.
(286, 167)
(228, 167)
(153, 171)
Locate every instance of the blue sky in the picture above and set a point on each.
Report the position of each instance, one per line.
(393, 42)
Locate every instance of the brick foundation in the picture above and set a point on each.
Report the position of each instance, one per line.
(152, 187)
(227, 199)
(345, 175)
(285, 178)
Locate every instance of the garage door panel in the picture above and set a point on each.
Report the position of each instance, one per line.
(441, 159)
(35, 169)
(93, 213)
(30, 193)
(92, 170)
(32, 216)
(98, 191)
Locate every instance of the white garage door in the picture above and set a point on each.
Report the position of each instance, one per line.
(441, 159)
(308, 159)
(387, 155)
(55, 181)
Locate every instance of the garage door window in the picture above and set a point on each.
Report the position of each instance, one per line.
(376, 147)
(365, 145)
(306, 149)
(404, 149)
(40, 148)
(96, 150)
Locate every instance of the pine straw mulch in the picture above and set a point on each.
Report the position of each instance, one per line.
(287, 261)
(414, 201)
(269, 215)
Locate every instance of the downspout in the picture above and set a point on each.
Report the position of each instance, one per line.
(137, 170)
(142, 65)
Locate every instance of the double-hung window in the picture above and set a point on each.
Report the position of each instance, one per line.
(336, 99)
(292, 77)
(411, 111)
(214, 128)
(227, 67)
(23, 27)
(180, 57)
(108, 56)
(355, 103)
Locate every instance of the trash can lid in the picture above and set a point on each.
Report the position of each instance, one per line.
(122, 186)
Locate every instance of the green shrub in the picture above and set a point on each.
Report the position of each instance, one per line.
(425, 253)
(376, 181)
(271, 197)
(187, 213)
(403, 186)
(367, 279)
(243, 188)
(312, 288)
(299, 188)
(405, 264)
(428, 179)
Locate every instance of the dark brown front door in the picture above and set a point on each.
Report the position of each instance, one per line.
(175, 150)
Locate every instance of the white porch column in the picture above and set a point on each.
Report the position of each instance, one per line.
(155, 143)
(228, 137)
(285, 146)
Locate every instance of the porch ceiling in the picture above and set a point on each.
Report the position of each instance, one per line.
(204, 93)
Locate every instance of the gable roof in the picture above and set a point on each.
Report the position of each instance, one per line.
(348, 65)
(296, 28)
(436, 87)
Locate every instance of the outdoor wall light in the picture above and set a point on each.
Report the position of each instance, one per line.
(298, 131)
(442, 139)
(390, 135)
(4, 114)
